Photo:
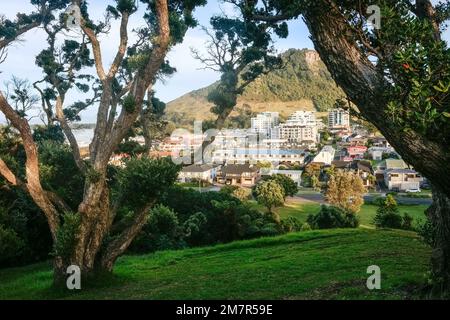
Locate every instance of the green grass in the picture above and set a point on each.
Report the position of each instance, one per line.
(311, 265)
(368, 212)
(301, 210)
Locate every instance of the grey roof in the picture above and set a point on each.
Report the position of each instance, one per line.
(198, 168)
(238, 169)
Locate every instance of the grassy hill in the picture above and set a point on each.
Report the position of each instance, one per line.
(304, 83)
(310, 265)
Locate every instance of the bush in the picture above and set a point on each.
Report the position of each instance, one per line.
(427, 231)
(10, 246)
(407, 222)
(333, 217)
(388, 220)
(242, 194)
(306, 227)
(162, 232)
(227, 218)
(291, 224)
(388, 216)
(152, 177)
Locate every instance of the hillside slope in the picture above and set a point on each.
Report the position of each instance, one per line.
(304, 83)
(311, 265)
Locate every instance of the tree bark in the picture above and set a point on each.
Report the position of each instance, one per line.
(439, 215)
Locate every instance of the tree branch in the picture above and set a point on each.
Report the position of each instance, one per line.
(118, 246)
(33, 183)
(122, 47)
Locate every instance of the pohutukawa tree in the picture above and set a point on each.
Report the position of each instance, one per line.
(93, 234)
(399, 78)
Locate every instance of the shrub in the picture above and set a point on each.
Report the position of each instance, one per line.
(66, 235)
(427, 231)
(162, 232)
(306, 227)
(242, 194)
(291, 224)
(227, 218)
(333, 217)
(407, 222)
(193, 226)
(388, 220)
(152, 177)
(388, 215)
(10, 246)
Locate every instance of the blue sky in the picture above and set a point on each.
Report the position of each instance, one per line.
(189, 77)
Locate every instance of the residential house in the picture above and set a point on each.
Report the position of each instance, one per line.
(196, 172)
(356, 152)
(388, 164)
(325, 156)
(402, 179)
(245, 175)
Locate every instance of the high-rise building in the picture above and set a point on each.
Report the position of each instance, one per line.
(300, 128)
(338, 119)
(264, 122)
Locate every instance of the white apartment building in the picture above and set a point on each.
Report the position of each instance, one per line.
(264, 122)
(299, 134)
(338, 119)
(300, 128)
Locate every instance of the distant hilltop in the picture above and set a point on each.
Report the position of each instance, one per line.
(303, 84)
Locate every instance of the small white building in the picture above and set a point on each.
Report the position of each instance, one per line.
(326, 155)
(376, 153)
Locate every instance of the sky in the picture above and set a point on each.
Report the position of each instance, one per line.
(190, 75)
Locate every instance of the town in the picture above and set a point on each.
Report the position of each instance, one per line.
(301, 144)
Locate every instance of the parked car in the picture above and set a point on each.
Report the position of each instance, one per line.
(413, 191)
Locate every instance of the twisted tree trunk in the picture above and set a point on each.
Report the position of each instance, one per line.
(352, 70)
(90, 252)
(439, 215)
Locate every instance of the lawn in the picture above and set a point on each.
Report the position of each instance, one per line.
(301, 210)
(310, 265)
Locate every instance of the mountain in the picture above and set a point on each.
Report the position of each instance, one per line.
(303, 83)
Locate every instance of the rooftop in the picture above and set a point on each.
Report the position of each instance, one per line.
(199, 168)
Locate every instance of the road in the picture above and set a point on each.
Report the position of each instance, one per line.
(319, 197)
